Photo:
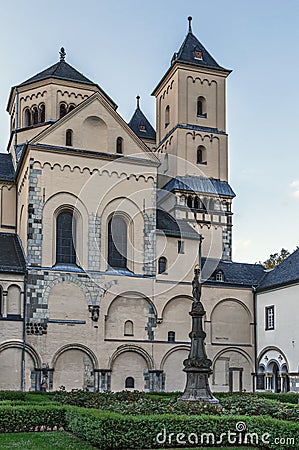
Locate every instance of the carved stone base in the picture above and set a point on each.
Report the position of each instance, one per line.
(197, 388)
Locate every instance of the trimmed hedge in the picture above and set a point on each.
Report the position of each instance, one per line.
(12, 395)
(31, 418)
(114, 431)
(108, 430)
(287, 397)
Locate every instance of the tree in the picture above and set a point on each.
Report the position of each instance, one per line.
(276, 259)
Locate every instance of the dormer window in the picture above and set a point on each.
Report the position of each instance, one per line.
(142, 127)
(219, 276)
(198, 54)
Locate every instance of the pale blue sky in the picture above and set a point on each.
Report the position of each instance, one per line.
(126, 47)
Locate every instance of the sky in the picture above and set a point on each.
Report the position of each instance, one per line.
(126, 47)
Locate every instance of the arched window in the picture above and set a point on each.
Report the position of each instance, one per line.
(200, 156)
(129, 328)
(167, 116)
(201, 107)
(27, 117)
(62, 110)
(129, 383)
(42, 113)
(119, 145)
(71, 107)
(162, 264)
(69, 138)
(171, 336)
(65, 236)
(34, 115)
(117, 243)
(190, 201)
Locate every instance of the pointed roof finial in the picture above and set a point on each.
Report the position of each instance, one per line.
(190, 27)
(62, 54)
(138, 98)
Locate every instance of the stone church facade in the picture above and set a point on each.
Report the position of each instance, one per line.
(100, 229)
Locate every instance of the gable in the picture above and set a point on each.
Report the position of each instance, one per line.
(95, 126)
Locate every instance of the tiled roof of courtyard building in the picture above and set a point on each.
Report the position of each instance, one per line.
(193, 52)
(285, 273)
(140, 125)
(11, 255)
(7, 171)
(200, 184)
(233, 273)
(174, 228)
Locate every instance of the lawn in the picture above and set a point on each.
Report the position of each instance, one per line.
(42, 441)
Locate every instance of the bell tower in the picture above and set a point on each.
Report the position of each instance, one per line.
(192, 143)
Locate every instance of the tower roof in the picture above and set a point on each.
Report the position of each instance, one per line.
(61, 70)
(193, 52)
(140, 125)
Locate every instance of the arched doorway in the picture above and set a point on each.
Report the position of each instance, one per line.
(273, 379)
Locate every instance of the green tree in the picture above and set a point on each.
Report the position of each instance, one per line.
(275, 259)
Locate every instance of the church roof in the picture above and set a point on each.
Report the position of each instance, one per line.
(140, 125)
(193, 52)
(199, 184)
(234, 273)
(174, 227)
(7, 171)
(11, 255)
(285, 273)
(61, 70)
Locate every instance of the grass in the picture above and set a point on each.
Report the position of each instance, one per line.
(42, 441)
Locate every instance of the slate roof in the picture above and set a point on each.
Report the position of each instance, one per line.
(11, 254)
(61, 70)
(174, 228)
(7, 171)
(234, 273)
(285, 273)
(186, 54)
(139, 120)
(200, 184)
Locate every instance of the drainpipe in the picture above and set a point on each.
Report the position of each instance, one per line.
(17, 116)
(24, 333)
(255, 336)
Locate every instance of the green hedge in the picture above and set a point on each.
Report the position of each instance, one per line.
(12, 395)
(114, 431)
(31, 418)
(281, 397)
(108, 430)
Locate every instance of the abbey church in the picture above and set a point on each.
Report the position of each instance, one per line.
(101, 223)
